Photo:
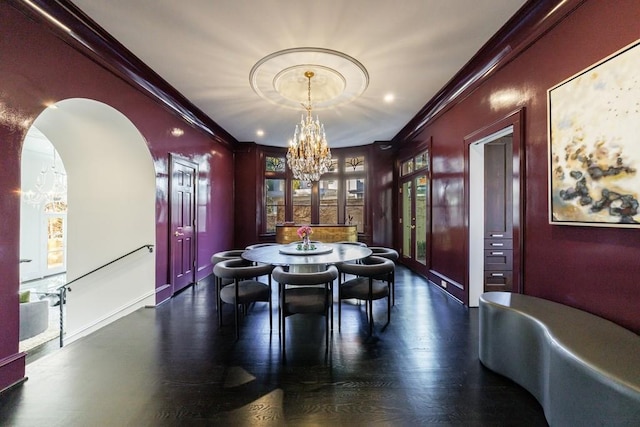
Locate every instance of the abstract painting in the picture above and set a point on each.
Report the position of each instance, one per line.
(594, 144)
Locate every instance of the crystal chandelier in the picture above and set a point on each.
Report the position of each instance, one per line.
(50, 188)
(309, 155)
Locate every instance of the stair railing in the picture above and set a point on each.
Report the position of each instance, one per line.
(61, 291)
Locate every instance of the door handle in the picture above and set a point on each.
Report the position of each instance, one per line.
(413, 226)
(178, 234)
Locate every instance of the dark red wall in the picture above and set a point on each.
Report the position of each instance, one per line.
(248, 203)
(36, 68)
(381, 194)
(592, 268)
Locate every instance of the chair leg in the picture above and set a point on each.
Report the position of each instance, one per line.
(219, 302)
(282, 318)
(284, 335)
(370, 304)
(237, 310)
(270, 307)
(330, 296)
(217, 289)
(326, 330)
(339, 303)
(392, 288)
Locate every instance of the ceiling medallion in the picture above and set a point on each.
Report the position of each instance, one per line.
(279, 77)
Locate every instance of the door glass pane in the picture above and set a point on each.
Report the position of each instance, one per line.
(301, 201)
(354, 210)
(328, 201)
(274, 207)
(421, 219)
(406, 219)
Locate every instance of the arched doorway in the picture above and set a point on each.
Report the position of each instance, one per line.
(111, 199)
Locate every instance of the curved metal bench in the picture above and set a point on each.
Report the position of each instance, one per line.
(583, 369)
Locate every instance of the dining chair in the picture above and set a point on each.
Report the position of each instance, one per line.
(393, 255)
(245, 289)
(305, 293)
(349, 242)
(218, 281)
(259, 245)
(367, 286)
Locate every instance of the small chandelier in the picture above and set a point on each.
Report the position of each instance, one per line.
(50, 189)
(309, 155)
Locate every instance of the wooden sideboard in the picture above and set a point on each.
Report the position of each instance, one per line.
(329, 233)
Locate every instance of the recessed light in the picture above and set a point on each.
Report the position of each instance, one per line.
(388, 98)
(260, 132)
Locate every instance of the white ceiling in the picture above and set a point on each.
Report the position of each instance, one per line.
(207, 48)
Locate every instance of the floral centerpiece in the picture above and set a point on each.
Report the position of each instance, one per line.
(304, 232)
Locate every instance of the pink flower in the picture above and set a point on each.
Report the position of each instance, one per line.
(304, 231)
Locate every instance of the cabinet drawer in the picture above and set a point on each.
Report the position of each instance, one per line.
(498, 244)
(498, 281)
(498, 259)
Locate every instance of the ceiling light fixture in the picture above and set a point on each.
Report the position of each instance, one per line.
(309, 155)
(50, 188)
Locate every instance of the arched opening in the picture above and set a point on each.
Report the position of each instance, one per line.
(111, 211)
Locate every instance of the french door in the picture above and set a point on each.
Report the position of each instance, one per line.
(415, 220)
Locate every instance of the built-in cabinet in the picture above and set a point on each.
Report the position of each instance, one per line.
(498, 215)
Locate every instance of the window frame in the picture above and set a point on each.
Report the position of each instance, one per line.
(340, 174)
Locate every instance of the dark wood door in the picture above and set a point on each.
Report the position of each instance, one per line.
(182, 222)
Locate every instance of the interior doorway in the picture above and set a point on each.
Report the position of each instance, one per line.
(493, 213)
(112, 191)
(43, 213)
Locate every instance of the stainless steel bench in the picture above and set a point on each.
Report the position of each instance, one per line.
(584, 370)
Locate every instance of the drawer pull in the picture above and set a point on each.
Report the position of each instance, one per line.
(497, 275)
(497, 244)
(497, 235)
(497, 253)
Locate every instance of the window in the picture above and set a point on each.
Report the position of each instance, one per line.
(275, 206)
(275, 164)
(301, 201)
(328, 192)
(338, 198)
(354, 206)
(354, 164)
(406, 168)
(422, 160)
(274, 188)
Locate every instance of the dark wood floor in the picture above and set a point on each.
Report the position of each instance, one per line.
(172, 366)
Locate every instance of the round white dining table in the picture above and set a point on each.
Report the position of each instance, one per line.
(325, 253)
